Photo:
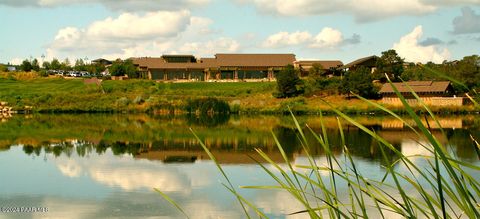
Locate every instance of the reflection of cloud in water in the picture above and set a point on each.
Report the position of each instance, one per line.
(129, 178)
(280, 203)
(206, 209)
(70, 168)
(414, 148)
(127, 173)
(59, 208)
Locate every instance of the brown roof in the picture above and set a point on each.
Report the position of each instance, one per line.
(326, 64)
(358, 61)
(417, 86)
(160, 63)
(253, 60)
(220, 60)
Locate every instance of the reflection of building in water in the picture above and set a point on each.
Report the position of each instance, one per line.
(223, 157)
(455, 123)
(398, 136)
(226, 150)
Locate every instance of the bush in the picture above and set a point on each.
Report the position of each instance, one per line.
(288, 83)
(138, 100)
(359, 82)
(123, 101)
(326, 86)
(208, 105)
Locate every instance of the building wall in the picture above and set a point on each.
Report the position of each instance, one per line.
(431, 101)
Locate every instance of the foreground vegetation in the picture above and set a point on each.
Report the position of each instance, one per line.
(442, 187)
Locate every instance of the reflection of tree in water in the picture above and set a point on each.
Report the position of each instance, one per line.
(119, 148)
(359, 143)
(288, 139)
(207, 120)
(461, 144)
(29, 149)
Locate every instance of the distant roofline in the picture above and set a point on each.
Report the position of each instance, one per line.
(176, 55)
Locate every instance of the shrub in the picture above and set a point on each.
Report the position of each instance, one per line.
(138, 100)
(123, 101)
(208, 105)
(288, 83)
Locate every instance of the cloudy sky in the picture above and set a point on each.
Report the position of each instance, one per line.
(420, 30)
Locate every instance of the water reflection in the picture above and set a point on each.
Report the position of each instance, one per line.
(106, 165)
(169, 140)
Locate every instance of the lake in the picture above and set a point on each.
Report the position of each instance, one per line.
(107, 165)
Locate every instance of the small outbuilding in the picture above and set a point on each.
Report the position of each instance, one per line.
(435, 93)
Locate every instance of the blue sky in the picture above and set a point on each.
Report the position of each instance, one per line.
(420, 30)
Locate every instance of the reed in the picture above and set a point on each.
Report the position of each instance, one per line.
(446, 188)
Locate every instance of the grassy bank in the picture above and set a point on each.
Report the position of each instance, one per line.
(73, 95)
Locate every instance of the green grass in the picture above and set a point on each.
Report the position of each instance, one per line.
(72, 95)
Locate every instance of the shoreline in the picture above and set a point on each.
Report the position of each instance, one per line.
(57, 95)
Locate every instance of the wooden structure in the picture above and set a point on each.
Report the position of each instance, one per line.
(329, 67)
(103, 62)
(223, 67)
(434, 93)
(369, 62)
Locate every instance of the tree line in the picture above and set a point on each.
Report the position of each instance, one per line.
(366, 82)
(118, 68)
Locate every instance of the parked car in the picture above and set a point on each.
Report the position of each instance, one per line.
(84, 74)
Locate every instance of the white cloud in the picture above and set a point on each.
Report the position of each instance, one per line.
(221, 45)
(124, 31)
(282, 39)
(326, 38)
(116, 5)
(131, 26)
(410, 48)
(133, 35)
(362, 10)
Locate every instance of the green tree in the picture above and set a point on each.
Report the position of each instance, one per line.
(130, 69)
(467, 71)
(80, 65)
(316, 71)
(95, 68)
(116, 69)
(35, 65)
(390, 63)
(66, 65)
(3, 68)
(288, 83)
(419, 73)
(26, 65)
(55, 65)
(46, 65)
(121, 68)
(359, 82)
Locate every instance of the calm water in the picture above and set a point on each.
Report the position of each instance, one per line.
(96, 166)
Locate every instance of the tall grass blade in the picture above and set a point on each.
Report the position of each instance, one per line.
(166, 197)
(205, 148)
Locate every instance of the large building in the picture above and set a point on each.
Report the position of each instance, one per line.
(329, 67)
(222, 67)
